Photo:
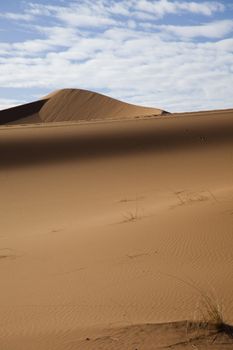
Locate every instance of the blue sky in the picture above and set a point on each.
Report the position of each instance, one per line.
(176, 55)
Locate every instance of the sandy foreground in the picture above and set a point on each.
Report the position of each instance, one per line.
(109, 230)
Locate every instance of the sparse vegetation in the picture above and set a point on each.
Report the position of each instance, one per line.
(212, 311)
(132, 216)
(209, 311)
(210, 314)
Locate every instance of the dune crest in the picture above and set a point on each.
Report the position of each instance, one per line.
(74, 105)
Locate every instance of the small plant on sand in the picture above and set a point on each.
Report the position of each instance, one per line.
(211, 314)
(212, 311)
(208, 311)
(131, 216)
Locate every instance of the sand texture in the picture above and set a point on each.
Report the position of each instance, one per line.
(111, 231)
(74, 105)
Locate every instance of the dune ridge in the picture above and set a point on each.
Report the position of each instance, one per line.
(74, 105)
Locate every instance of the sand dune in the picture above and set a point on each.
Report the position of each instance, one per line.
(109, 228)
(74, 105)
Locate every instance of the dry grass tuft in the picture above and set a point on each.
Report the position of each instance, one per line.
(212, 314)
(209, 315)
(131, 216)
(212, 311)
(209, 312)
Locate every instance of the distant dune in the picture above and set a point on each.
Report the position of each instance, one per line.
(74, 105)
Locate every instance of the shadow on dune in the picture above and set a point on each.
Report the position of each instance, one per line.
(19, 112)
(41, 146)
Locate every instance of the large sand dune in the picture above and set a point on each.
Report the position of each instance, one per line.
(109, 228)
(74, 105)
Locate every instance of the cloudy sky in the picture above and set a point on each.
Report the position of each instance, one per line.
(176, 55)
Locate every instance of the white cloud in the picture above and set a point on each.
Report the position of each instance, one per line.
(141, 66)
(102, 12)
(211, 30)
(80, 20)
(204, 8)
(162, 7)
(4, 48)
(32, 46)
(8, 103)
(120, 8)
(17, 16)
(225, 44)
(118, 47)
(78, 14)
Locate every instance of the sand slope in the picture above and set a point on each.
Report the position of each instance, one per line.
(108, 225)
(74, 105)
